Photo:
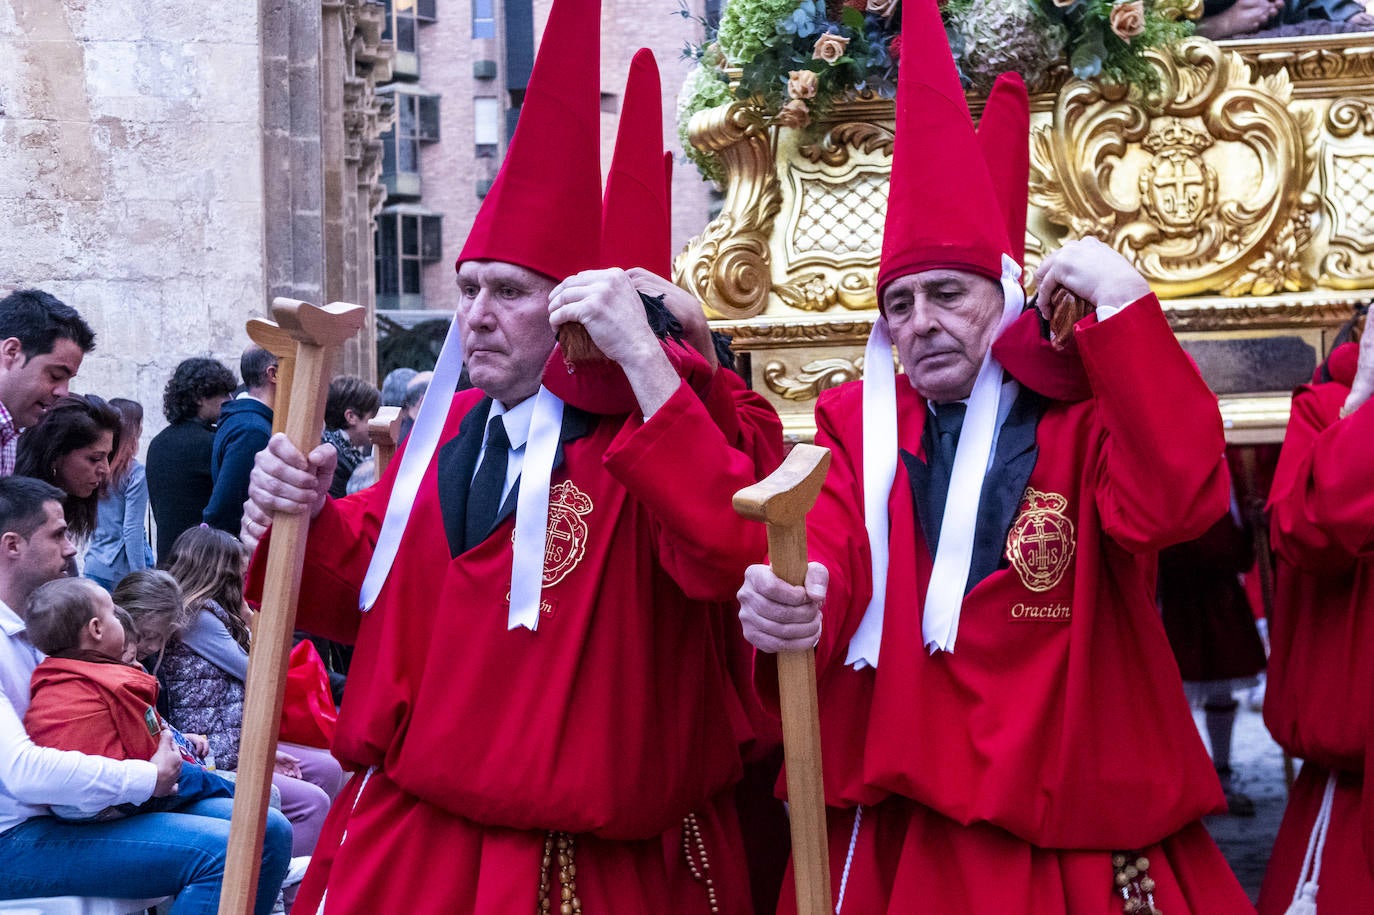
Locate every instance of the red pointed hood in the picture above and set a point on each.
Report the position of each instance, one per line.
(1004, 136)
(942, 210)
(544, 210)
(636, 220)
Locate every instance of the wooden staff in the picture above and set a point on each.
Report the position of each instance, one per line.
(781, 501)
(384, 431)
(318, 333)
(271, 337)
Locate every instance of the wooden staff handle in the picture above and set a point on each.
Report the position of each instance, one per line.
(271, 337)
(781, 501)
(318, 333)
(384, 431)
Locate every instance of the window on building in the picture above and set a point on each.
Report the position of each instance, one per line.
(406, 241)
(401, 24)
(486, 125)
(483, 18)
(417, 121)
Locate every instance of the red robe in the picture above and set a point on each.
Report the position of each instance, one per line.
(609, 722)
(1321, 679)
(1000, 778)
(92, 707)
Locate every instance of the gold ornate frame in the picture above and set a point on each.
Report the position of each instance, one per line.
(1243, 189)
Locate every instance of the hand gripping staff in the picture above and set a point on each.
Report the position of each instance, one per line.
(781, 501)
(318, 333)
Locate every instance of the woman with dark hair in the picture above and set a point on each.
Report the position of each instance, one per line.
(179, 483)
(71, 448)
(120, 543)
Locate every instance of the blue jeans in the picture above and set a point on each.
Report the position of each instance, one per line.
(140, 857)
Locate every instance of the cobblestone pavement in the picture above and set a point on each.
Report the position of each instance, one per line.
(1258, 764)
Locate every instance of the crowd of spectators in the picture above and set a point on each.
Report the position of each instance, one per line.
(124, 633)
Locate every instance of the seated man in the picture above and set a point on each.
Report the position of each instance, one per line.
(1003, 727)
(153, 854)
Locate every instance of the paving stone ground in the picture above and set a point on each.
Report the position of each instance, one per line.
(1258, 764)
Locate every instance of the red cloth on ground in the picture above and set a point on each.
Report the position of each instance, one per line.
(1321, 683)
(1059, 718)
(605, 722)
(92, 707)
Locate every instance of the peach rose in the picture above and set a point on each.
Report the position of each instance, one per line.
(801, 84)
(794, 114)
(882, 8)
(1128, 19)
(1064, 3)
(831, 47)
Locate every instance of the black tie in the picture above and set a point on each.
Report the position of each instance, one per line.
(944, 442)
(484, 498)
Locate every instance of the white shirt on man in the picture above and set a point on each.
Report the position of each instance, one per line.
(33, 777)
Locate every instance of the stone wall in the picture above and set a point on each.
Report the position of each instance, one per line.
(131, 176)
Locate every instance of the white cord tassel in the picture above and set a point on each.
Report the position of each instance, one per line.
(1305, 893)
(849, 857)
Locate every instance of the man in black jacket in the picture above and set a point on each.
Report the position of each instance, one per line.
(179, 483)
(245, 425)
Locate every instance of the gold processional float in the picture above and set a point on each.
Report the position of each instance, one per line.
(1243, 189)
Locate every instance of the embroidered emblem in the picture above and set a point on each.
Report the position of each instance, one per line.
(1041, 542)
(567, 537)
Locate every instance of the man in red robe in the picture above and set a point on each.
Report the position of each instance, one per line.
(1321, 681)
(527, 724)
(1003, 727)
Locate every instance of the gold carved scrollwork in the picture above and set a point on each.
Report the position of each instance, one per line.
(727, 265)
(1201, 184)
(812, 378)
(833, 148)
(1348, 182)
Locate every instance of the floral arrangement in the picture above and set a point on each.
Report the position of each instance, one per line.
(795, 58)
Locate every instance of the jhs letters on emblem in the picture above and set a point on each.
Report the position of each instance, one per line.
(567, 538)
(1041, 541)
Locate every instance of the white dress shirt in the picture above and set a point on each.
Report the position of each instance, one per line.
(517, 422)
(34, 777)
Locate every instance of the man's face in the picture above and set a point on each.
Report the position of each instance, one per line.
(942, 322)
(44, 554)
(208, 410)
(28, 386)
(504, 315)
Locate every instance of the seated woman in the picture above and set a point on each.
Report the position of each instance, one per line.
(71, 448)
(203, 671)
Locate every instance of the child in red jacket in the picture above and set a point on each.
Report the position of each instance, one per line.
(84, 696)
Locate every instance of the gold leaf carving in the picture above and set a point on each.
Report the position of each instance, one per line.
(833, 148)
(1200, 185)
(1348, 116)
(812, 378)
(727, 266)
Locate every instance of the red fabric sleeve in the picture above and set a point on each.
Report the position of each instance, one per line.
(678, 465)
(1161, 466)
(1322, 501)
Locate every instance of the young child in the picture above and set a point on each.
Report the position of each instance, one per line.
(84, 697)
